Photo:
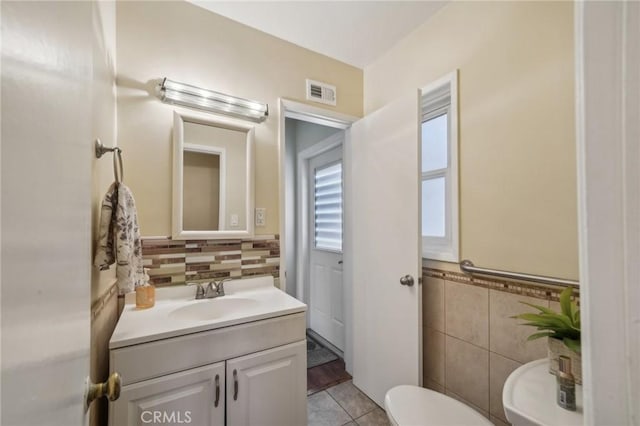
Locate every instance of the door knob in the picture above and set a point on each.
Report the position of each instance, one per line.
(110, 389)
(407, 280)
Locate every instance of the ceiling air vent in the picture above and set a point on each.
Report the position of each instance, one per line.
(321, 92)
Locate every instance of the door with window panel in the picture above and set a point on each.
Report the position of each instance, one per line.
(326, 308)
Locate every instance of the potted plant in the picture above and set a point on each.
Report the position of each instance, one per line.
(562, 330)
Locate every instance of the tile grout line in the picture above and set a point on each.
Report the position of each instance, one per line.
(338, 402)
(466, 341)
(340, 405)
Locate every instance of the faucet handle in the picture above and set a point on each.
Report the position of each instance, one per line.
(199, 290)
(221, 284)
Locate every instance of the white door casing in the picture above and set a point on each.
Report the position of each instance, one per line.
(303, 238)
(385, 244)
(608, 151)
(326, 306)
(322, 116)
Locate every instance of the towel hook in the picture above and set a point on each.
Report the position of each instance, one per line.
(118, 169)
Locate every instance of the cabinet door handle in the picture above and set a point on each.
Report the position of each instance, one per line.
(235, 385)
(215, 404)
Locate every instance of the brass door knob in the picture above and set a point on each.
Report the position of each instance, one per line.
(110, 389)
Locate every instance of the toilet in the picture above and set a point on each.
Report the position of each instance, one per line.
(415, 406)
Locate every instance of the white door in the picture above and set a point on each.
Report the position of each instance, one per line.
(326, 311)
(195, 396)
(46, 211)
(384, 153)
(268, 388)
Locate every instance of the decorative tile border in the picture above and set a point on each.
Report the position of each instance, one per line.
(173, 262)
(539, 291)
(99, 304)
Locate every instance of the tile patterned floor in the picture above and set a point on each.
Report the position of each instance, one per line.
(344, 404)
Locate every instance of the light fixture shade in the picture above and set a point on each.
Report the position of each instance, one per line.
(195, 97)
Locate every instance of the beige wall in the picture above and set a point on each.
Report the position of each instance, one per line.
(103, 126)
(186, 43)
(517, 143)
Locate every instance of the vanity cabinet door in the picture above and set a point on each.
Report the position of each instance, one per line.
(194, 396)
(268, 388)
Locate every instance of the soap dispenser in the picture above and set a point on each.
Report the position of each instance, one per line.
(146, 293)
(566, 384)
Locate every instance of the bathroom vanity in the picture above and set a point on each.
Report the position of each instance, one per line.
(239, 359)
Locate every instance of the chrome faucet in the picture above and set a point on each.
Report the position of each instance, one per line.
(213, 289)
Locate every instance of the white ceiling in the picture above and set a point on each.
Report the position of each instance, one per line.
(355, 32)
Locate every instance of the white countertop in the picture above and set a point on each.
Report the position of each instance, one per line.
(529, 398)
(159, 322)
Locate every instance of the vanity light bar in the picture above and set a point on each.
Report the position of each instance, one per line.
(191, 96)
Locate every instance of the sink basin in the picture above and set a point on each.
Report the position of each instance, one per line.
(529, 398)
(210, 309)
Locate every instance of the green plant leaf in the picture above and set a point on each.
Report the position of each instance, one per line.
(539, 335)
(540, 308)
(573, 344)
(530, 317)
(553, 324)
(574, 309)
(548, 320)
(560, 319)
(565, 303)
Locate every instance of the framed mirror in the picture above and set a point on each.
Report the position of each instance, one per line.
(213, 172)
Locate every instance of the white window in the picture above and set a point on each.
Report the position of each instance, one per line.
(328, 207)
(440, 170)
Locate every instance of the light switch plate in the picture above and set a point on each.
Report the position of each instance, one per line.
(261, 216)
(234, 219)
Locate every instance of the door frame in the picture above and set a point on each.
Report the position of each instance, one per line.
(316, 115)
(303, 207)
(607, 58)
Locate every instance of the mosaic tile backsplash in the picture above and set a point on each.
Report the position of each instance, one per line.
(174, 262)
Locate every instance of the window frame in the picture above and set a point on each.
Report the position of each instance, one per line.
(445, 248)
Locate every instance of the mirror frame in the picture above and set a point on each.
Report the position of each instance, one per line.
(179, 145)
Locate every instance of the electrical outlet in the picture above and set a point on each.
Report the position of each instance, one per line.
(234, 219)
(261, 216)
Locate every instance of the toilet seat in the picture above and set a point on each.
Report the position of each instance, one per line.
(415, 406)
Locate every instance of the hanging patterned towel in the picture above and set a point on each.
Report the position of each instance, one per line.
(106, 255)
(119, 239)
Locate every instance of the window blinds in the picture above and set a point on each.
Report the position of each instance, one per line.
(328, 207)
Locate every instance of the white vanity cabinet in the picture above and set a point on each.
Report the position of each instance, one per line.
(268, 388)
(256, 372)
(194, 396)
